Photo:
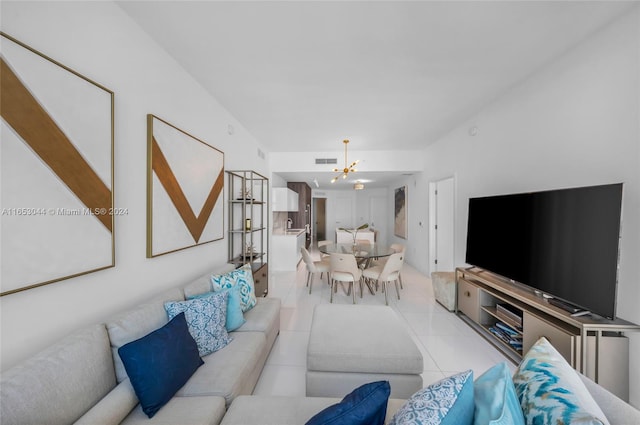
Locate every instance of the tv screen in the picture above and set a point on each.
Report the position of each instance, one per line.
(561, 242)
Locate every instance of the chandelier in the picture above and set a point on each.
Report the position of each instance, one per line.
(347, 168)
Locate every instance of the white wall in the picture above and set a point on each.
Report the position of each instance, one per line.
(574, 123)
(98, 40)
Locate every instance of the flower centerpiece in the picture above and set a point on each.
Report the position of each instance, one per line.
(354, 232)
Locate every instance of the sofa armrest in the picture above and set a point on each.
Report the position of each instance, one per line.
(615, 409)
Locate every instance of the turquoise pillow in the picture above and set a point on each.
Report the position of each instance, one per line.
(366, 405)
(550, 390)
(495, 398)
(235, 318)
(160, 363)
(242, 277)
(206, 319)
(446, 402)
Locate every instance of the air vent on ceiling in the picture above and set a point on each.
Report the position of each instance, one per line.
(326, 160)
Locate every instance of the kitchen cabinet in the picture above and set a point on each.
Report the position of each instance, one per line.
(284, 199)
(285, 249)
(301, 217)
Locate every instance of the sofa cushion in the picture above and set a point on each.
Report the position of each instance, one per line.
(61, 383)
(448, 401)
(550, 390)
(181, 411)
(160, 363)
(138, 322)
(206, 318)
(235, 317)
(225, 372)
(280, 410)
(366, 405)
(242, 277)
(113, 408)
(495, 398)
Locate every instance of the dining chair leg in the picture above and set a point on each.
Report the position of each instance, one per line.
(352, 285)
(386, 297)
(397, 289)
(400, 279)
(310, 281)
(333, 283)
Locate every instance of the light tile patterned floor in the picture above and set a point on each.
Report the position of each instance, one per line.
(447, 344)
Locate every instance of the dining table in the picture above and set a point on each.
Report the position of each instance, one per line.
(364, 253)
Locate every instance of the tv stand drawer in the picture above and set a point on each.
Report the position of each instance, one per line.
(468, 300)
(563, 340)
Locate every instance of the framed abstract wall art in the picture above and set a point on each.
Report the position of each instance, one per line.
(185, 182)
(56, 171)
(400, 212)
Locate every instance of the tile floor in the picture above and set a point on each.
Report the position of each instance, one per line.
(448, 345)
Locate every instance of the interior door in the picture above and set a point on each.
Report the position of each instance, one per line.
(443, 227)
(320, 219)
(378, 216)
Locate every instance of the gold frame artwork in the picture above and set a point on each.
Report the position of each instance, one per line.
(57, 168)
(185, 185)
(400, 212)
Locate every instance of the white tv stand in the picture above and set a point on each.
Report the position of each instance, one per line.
(592, 345)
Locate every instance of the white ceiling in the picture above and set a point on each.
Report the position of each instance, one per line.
(302, 76)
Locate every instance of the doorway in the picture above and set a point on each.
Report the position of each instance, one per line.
(319, 214)
(441, 230)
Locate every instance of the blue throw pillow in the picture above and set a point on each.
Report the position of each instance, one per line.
(495, 398)
(366, 405)
(550, 390)
(160, 363)
(235, 318)
(206, 318)
(446, 402)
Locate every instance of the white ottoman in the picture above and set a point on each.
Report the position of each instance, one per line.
(444, 288)
(350, 345)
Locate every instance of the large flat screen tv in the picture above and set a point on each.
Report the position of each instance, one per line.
(563, 243)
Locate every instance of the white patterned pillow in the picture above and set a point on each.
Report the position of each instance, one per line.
(206, 319)
(550, 390)
(447, 402)
(242, 277)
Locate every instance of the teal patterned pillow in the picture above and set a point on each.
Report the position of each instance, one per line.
(206, 319)
(242, 277)
(551, 392)
(447, 402)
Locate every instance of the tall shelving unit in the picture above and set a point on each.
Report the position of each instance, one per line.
(249, 224)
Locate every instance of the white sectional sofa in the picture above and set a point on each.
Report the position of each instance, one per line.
(81, 379)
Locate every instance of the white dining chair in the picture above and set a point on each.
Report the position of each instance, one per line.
(344, 268)
(390, 272)
(397, 247)
(314, 267)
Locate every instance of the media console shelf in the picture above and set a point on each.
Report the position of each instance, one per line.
(512, 317)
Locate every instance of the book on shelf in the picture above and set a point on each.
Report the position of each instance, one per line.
(510, 315)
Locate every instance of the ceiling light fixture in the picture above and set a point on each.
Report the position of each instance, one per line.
(347, 168)
(358, 185)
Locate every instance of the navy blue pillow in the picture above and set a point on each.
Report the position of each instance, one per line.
(366, 405)
(160, 363)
